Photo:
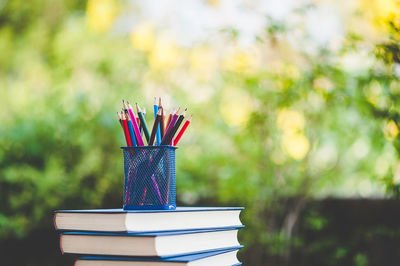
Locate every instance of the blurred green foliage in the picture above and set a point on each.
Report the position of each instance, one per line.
(308, 126)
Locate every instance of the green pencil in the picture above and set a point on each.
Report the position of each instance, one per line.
(143, 122)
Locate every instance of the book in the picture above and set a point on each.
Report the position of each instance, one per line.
(160, 244)
(119, 220)
(225, 257)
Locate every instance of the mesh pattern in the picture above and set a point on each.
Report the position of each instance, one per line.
(149, 177)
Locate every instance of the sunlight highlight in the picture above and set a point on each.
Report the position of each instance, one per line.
(236, 107)
(101, 14)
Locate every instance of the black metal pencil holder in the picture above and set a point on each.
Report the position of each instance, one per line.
(149, 178)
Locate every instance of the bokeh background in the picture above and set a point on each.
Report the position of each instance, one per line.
(296, 108)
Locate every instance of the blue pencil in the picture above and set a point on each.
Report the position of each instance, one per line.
(158, 135)
(130, 127)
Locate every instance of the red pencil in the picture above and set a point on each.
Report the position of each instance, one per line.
(126, 130)
(178, 137)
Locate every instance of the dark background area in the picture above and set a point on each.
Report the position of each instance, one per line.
(330, 232)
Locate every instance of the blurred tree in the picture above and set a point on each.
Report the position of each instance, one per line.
(274, 124)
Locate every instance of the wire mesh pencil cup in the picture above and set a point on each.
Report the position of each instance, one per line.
(149, 178)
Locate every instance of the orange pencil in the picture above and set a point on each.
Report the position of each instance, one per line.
(168, 121)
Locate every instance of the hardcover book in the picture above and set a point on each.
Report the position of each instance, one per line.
(161, 244)
(119, 220)
(225, 257)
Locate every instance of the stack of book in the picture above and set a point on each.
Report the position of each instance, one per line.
(186, 236)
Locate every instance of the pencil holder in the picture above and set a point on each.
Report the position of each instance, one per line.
(149, 177)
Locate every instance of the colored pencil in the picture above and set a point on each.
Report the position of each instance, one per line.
(126, 131)
(167, 123)
(183, 129)
(155, 185)
(141, 125)
(162, 120)
(143, 122)
(155, 127)
(135, 125)
(170, 126)
(130, 128)
(158, 134)
(119, 119)
(176, 127)
(164, 131)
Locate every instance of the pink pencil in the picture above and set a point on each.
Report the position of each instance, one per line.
(135, 125)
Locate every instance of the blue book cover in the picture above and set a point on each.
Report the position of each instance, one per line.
(153, 234)
(183, 258)
(178, 209)
(149, 244)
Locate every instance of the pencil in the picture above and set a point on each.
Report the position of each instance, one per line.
(175, 128)
(167, 123)
(126, 132)
(156, 108)
(135, 125)
(155, 127)
(130, 128)
(141, 125)
(162, 120)
(143, 122)
(183, 129)
(119, 119)
(170, 126)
